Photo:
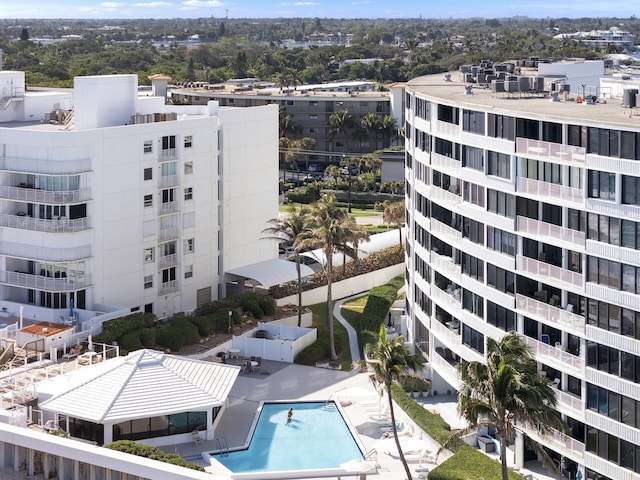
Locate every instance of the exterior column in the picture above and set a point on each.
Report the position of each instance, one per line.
(30, 461)
(45, 464)
(61, 473)
(76, 470)
(92, 472)
(519, 450)
(16, 458)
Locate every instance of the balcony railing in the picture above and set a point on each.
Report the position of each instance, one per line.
(445, 265)
(549, 150)
(449, 335)
(167, 208)
(567, 401)
(549, 273)
(557, 440)
(42, 225)
(49, 254)
(166, 181)
(45, 167)
(561, 359)
(438, 160)
(451, 302)
(170, 233)
(445, 197)
(556, 315)
(168, 154)
(168, 287)
(38, 282)
(546, 189)
(445, 231)
(446, 370)
(553, 232)
(168, 261)
(44, 196)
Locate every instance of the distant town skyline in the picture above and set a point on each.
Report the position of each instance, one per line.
(74, 9)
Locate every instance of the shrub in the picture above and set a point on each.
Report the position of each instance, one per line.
(179, 333)
(131, 341)
(113, 330)
(469, 464)
(148, 337)
(253, 307)
(378, 303)
(203, 324)
(140, 450)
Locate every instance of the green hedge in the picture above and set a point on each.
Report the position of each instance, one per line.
(153, 453)
(378, 304)
(114, 330)
(179, 333)
(470, 464)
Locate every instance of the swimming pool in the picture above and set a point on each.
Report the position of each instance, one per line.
(317, 438)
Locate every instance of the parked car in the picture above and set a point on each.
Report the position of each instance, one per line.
(314, 167)
(313, 177)
(354, 170)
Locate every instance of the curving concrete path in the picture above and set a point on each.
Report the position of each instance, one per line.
(353, 337)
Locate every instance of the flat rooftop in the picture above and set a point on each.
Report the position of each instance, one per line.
(607, 111)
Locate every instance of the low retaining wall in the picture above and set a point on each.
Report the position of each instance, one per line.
(345, 288)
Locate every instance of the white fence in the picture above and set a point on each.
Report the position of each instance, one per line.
(281, 342)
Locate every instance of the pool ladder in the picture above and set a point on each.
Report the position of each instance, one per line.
(222, 445)
(329, 405)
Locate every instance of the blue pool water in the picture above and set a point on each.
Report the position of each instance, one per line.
(316, 438)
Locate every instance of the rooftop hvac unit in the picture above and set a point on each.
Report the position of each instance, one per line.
(510, 67)
(475, 70)
(481, 78)
(537, 84)
(629, 97)
(511, 86)
(524, 84)
(469, 77)
(464, 68)
(497, 86)
(468, 90)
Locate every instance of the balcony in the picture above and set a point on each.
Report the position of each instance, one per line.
(39, 282)
(442, 161)
(551, 233)
(446, 198)
(445, 369)
(550, 274)
(550, 151)
(446, 266)
(167, 208)
(169, 233)
(550, 190)
(167, 261)
(558, 441)
(449, 333)
(48, 254)
(45, 167)
(449, 301)
(445, 232)
(42, 225)
(33, 195)
(168, 287)
(570, 404)
(446, 128)
(167, 154)
(555, 357)
(551, 314)
(167, 181)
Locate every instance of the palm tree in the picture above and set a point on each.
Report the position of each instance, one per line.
(507, 391)
(393, 214)
(353, 235)
(371, 123)
(290, 228)
(392, 361)
(340, 122)
(327, 232)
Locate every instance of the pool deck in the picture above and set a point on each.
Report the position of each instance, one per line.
(297, 382)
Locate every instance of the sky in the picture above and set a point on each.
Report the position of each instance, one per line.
(316, 8)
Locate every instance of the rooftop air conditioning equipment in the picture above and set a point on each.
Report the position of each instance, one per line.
(481, 78)
(464, 68)
(475, 70)
(511, 86)
(554, 97)
(524, 84)
(447, 77)
(469, 78)
(629, 97)
(497, 86)
(468, 89)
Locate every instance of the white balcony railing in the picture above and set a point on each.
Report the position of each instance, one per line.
(546, 189)
(551, 151)
(169, 233)
(166, 181)
(41, 225)
(550, 231)
(446, 266)
(549, 273)
(447, 334)
(446, 198)
(45, 167)
(567, 401)
(447, 371)
(37, 282)
(551, 354)
(445, 231)
(44, 196)
(167, 208)
(168, 154)
(168, 287)
(442, 161)
(49, 254)
(557, 441)
(450, 303)
(556, 315)
(167, 261)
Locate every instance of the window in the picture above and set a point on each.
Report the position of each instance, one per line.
(501, 126)
(189, 245)
(500, 317)
(148, 200)
(473, 267)
(499, 164)
(148, 173)
(473, 230)
(502, 203)
(149, 254)
(188, 271)
(473, 157)
(148, 281)
(188, 141)
(447, 113)
(528, 128)
(500, 279)
(473, 193)
(473, 303)
(472, 338)
(169, 275)
(188, 193)
(602, 185)
(501, 241)
(168, 195)
(313, 117)
(188, 168)
(148, 146)
(630, 190)
(169, 142)
(473, 121)
(313, 131)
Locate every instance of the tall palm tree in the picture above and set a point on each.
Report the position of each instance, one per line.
(507, 391)
(391, 361)
(393, 214)
(353, 235)
(290, 228)
(371, 123)
(340, 122)
(327, 232)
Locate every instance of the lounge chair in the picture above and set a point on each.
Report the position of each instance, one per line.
(197, 438)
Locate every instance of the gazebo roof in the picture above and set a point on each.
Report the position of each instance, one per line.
(145, 383)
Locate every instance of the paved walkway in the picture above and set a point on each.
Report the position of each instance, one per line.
(353, 337)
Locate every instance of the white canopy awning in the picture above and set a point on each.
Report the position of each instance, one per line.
(271, 272)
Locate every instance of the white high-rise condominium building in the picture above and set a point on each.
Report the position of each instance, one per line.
(523, 208)
(112, 201)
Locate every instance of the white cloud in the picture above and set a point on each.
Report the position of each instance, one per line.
(203, 3)
(112, 4)
(305, 4)
(152, 4)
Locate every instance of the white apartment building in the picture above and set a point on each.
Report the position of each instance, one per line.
(523, 213)
(110, 201)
